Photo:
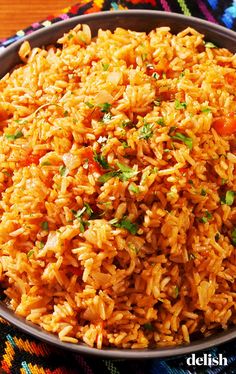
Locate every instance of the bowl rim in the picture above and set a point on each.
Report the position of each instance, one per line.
(50, 338)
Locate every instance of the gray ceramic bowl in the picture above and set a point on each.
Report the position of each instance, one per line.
(138, 20)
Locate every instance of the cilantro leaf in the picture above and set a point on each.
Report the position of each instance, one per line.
(90, 105)
(125, 223)
(62, 170)
(180, 105)
(206, 218)
(161, 122)
(126, 172)
(105, 107)
(146, 131)
(228, 199)
(133, 188)
(233, 236)
(15, 136)
(100, 159)
(206, 110)
(89, 210)
(44, 226)
(148, 326)
(105, 66)
(185, 139)
(210, 45)
(106, 177)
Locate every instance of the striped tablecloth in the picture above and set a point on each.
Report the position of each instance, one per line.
(21, 354)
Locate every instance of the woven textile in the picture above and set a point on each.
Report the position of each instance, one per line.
(21, 354)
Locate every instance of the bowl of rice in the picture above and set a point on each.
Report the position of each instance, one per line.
(117, 181)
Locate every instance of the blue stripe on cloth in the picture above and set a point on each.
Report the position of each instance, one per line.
(213, 3)
(229, 15)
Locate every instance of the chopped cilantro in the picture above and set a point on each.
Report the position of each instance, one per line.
(45, 226)
(228, 199)
(70, 36)
(203, 192)
(171, 130)
(148, 326)
(190, 182)
(125, 223)
(105, 107)
(105, 66)
(66, 113)
(45, 163)
(155, 75)
(206, 110)
(41, 245)
(62, 170)
(217, 237)
(185, 139)
(126, 172)
(224, 181)
(157, 102)
(90, 105)
(146, 131)
(206, 218)
(100, 159)
(126, 123)
(125, 145)
(106, 177)
(30, 253)
(210, 45)
(89, 210)
(175, 292)
(180, 105)
(182, 74)
(161, 122)
(133, 188)
(233, 236)
(15, 136)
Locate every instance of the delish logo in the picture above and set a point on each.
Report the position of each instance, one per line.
(207, 360)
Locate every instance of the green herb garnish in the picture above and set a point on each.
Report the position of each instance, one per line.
(175, 292)
(106, 177)
(233, 236)
(70, 36)
(206, 218)
(105, 66)
(125, 223)
(105, 107)
(210, 45)
(100, 159)
(89, 210)
(217, 237)
(148, 326)
(146, 131)
(62, 170)
(30, 253)
(90, 105)
(125, 145)
(133, 188)
(185, 139)
(206, 110)
(15, 136)
(161, 122)
(46, 163)
(126, 172)
(203, 192)
(44, 226)
(228, 199)
(180, 105)
(157, 102)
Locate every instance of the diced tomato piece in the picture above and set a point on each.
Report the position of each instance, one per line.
(225, 125)
(32, 159)
(93, 166)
